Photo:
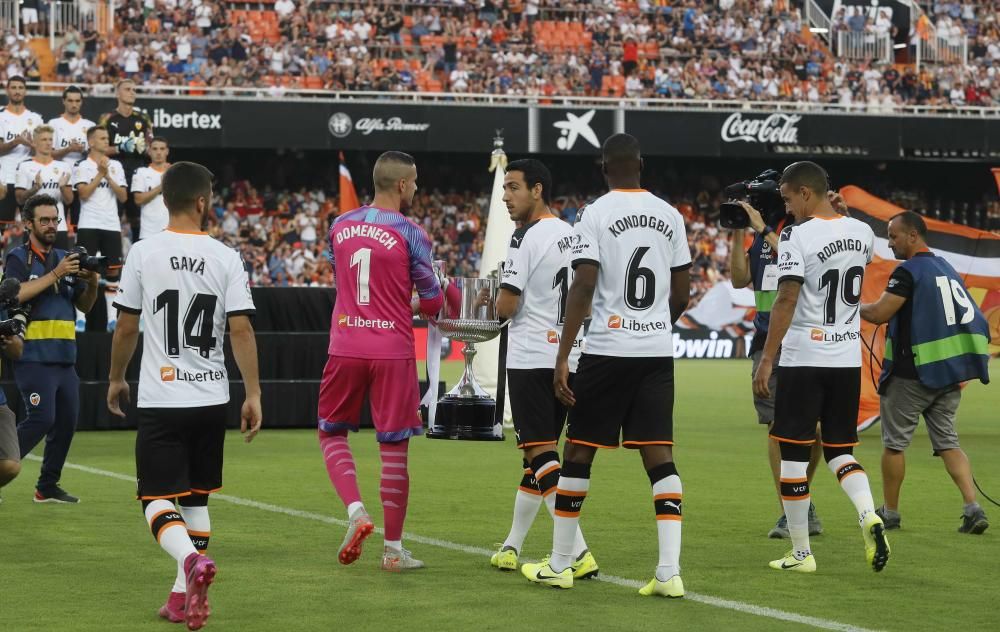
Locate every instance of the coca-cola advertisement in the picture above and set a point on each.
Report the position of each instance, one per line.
(761, 128)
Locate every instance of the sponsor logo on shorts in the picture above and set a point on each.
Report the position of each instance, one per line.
(818, 335)
(344, 321)
(35, 399)
(173, 374)
(630, 324)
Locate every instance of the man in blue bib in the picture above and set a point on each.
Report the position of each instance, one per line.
(937, 339)
(53, 286)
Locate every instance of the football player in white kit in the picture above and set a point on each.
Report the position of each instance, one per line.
(17, 123)
(70, 142)
(100, 183)
(816, 322)
(43, 173)
(190, 286)
(533, 289)
(148, 192)
(632, 263)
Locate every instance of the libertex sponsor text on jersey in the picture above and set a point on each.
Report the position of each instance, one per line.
(618, 322)
(344, 321)
(173, 374)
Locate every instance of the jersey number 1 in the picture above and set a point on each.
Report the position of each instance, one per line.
(199, 322)
(363, 259)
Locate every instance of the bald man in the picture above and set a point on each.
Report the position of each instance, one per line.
(631, 267)
(378, 257)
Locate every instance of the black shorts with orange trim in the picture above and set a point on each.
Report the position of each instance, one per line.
(178, 451)
(806, 394)
(538, 416)
(630, 400)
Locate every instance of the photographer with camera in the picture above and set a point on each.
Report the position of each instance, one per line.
(53, 286)
(759, 265)
(11, 345)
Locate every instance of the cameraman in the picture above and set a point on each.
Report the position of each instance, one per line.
(10, 454)
(52, 286)
(759, 265)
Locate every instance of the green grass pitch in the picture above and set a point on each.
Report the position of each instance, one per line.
(276, 530)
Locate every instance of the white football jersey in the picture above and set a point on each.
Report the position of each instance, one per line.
(68, 133)
(52, 174)
(828, 256)
(12, 125)
(100, 210)
(187, 285)
(637, 240)
(538, 270)
(154, 215)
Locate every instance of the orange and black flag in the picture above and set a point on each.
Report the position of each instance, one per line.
(975, 255)
(348, 196)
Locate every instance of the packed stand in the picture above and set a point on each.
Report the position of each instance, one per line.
(754, 50)
(885, 87)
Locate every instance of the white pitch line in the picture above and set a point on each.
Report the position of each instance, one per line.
(718, 602)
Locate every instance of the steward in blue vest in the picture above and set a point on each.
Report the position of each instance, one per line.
(52, 286)
(937, 338)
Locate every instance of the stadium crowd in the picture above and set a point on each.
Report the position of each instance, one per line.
(730, 49)
(282, 234)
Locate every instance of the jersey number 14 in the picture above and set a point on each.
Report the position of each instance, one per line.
(199, 322)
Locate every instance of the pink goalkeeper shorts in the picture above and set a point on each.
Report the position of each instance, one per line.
(392, 389)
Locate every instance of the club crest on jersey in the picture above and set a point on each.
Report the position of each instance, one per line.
(188, 264)
(35, 399)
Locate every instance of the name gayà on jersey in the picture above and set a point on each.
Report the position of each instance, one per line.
(188, 264)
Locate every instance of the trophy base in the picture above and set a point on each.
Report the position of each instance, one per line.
(465, 419)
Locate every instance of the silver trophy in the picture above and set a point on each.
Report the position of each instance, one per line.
(467, 411)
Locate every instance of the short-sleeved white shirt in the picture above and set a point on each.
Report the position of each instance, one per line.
(187, 285)
(637, 241)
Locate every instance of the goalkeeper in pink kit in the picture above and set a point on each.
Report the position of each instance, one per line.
(378, 257)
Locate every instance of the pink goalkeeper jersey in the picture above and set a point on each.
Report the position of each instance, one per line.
(378, 257)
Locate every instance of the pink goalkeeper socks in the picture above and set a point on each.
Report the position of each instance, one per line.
(340, 466)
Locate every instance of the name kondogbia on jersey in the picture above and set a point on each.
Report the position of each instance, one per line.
(188, 264)
(629, 222)
(367, 230)
(841, 245)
